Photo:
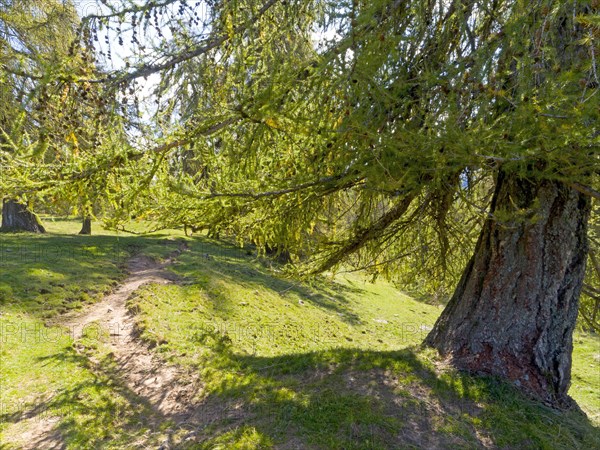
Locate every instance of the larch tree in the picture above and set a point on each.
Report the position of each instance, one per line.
(20, 45)
(53, 121)
(445, 140)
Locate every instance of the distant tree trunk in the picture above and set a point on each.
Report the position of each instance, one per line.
(514, 310)
(282, 256)
(17, 217)
(86, 228)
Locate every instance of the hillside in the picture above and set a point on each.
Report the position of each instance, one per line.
(274, 363)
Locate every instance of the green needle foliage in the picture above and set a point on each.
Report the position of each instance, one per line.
(376, 146)
(363, 133)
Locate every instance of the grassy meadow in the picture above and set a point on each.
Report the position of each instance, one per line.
(334, 362)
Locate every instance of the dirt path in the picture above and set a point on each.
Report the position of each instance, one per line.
(166, 389)
(137, 366)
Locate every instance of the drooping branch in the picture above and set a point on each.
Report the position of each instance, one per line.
(590, 313)
(192, 53)
(117, 78)
(362, 237)
(587, 190)
(20, 73)
(131, 10)
(331, 180)
(121, 159)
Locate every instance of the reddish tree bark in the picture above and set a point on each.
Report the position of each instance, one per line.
(514, 310)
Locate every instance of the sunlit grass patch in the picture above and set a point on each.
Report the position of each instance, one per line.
(332, 364)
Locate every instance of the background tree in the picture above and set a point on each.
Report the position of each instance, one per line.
(59, 120)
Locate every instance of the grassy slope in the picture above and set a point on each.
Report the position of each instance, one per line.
(327, 365)
(335, 365)
(42, 379)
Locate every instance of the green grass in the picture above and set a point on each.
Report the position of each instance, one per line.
(42, 378)
(585, 377)
(334, 363)
(45, 380)
(50, 274)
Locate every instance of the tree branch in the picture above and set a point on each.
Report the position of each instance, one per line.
(587, 190)
(131, 155)
(276, 193)
(20, 73)
(208, 45)
(132, 10)
(361, 238)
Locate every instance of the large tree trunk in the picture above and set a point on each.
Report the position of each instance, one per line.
(514, 310)
(86, 227)
(17, 217)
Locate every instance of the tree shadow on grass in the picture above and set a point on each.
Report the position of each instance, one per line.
(45, 275)
(356, 399)
(341, 398)
(337, 398)
(96, 411)
(233, 265)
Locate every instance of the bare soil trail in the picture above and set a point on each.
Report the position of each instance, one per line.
(137, 365)
(167, 390)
